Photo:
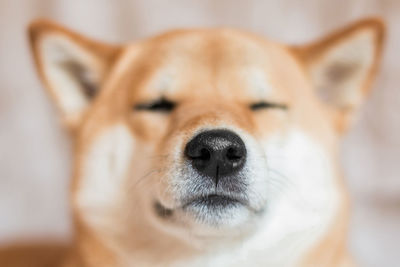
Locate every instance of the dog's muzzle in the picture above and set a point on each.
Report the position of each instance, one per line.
(215, 187)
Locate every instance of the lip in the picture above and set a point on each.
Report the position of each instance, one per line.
(213, 201)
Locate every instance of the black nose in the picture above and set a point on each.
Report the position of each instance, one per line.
(216, 153)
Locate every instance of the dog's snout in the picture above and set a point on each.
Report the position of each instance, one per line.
(216, 153)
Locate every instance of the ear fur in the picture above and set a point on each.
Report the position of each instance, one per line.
(342, 66)
(72, 67)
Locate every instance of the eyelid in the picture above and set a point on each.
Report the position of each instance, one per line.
(160, 105)
(265, 105)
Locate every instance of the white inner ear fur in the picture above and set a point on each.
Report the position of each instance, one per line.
(56, 53)
(340, 73)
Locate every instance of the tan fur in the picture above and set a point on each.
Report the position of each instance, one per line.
(209, 83)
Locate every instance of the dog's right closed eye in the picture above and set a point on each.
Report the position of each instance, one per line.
(160, 105)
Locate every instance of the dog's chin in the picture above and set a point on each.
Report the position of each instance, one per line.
(217, 211)
(210, 211)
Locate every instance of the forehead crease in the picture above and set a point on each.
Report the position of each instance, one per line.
(147, 69)
(164, 67)
(249, 64)
(166, 64)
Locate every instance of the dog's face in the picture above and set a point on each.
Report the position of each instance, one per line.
(198, 132)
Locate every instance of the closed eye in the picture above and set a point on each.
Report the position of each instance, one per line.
(269, 105)
(160, 105)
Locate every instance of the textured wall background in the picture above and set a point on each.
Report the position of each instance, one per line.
(35, 153)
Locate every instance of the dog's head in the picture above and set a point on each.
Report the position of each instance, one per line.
(197, 132)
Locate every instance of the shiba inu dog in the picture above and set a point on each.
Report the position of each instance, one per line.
(205, 147)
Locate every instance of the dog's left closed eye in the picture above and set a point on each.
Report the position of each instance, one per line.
(265, 105)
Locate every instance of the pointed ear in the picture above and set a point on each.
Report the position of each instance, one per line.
(343, 65)
(71, 66)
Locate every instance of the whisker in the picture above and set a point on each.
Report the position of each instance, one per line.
(143, 178)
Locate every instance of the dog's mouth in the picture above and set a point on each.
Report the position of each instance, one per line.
(211, 201)
(205, 205)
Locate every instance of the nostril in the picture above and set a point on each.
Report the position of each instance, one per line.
(198, 153)
(204, 154)
(233, 154)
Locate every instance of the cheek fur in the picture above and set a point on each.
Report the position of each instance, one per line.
(105, 167)
(303, 193)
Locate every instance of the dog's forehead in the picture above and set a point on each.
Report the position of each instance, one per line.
(194, 62)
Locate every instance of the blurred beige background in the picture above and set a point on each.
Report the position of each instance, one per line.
(35, 152)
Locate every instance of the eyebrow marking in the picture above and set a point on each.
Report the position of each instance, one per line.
(258, 80)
